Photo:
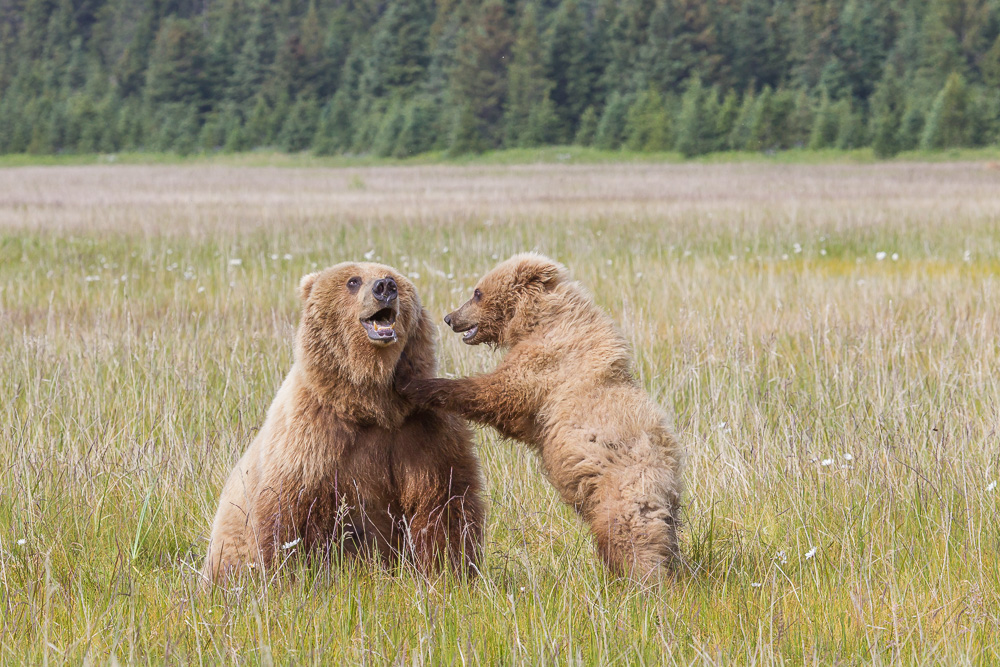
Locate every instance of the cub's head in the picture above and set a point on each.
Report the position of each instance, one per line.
(506, 300)
(358, 319)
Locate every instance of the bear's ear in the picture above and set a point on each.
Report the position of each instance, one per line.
(306, 285)
(533, 268)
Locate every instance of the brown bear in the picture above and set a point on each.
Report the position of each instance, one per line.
(342, 464)
(567, 389)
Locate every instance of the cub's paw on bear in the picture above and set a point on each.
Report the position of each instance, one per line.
(342, 464)
(566, 388)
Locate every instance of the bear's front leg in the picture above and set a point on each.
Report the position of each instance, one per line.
(493, 399)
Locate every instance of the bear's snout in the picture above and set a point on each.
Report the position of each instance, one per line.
(385, 290)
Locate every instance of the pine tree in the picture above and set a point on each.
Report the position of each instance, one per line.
(336, 127)
(299, 128)
(527, 85)
(648, 123)
(694, 126)
(588, 128)
(850, 127)
(611, 130)
(947, 123)
(826, 124)
(480, 78)
(416, 135)
(567, 66)
(887, 115)
(725, 121)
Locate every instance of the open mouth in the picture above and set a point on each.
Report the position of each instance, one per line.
(381, 326)
(468, 334)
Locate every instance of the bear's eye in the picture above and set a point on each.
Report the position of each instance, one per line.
(354, 283)
(477, 295)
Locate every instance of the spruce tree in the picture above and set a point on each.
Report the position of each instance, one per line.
(694, 127)
(611, 129)
(947, 123)
(588, 128)
(527, 85)
(299, 128)
(479, 80)
(648, 123)
(887, 115)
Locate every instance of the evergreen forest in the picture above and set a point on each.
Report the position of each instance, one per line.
(402, 77)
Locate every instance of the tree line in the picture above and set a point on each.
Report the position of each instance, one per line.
(402, 77)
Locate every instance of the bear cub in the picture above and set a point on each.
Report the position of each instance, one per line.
(566, 388)
(342, 464)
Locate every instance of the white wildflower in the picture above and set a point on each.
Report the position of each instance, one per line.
(756, 584)
(274, 256)
(370, 254)
(784, 256)
(22, 542)
(414, 275)
(201, 289)
(992, 485)
(288, 255)
(822, 251)
(235, 262)
(288, 545)
(895, 256)
(826, 462)
(967, 256)
(444, 250)
(810, 553)
(797, 248)
(91, 279)
(849, 456)
(880, 255)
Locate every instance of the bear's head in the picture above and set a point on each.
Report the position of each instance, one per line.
(505, 302)
(360, 321)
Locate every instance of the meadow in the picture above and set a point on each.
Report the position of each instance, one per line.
(826, 339)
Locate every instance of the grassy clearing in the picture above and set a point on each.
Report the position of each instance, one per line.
(506, 157)
(840, 407)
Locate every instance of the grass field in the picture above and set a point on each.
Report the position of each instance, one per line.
(825, 338)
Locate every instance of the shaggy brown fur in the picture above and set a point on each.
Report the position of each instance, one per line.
(567, 389)
(342, 463)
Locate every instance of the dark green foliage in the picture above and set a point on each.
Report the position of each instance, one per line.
(826, 124)
(695, 126)
(611, 129)
(647, 127)
(887, 115)
(588, 128)
(948, 121)
(299, 128)
(400, 77)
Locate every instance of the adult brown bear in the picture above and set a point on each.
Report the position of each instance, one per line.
(342, 463)
(566, 388)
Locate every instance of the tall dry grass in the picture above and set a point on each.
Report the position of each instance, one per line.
(825, 337)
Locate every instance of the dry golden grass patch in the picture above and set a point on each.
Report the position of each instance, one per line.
(840, 406)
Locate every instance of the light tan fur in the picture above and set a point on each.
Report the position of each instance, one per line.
(343, 465)
(566, 388)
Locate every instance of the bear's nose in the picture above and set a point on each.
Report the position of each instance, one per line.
(385, 290)
(447, 319)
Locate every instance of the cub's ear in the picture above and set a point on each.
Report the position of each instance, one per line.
(306, 285)
(532, 268)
